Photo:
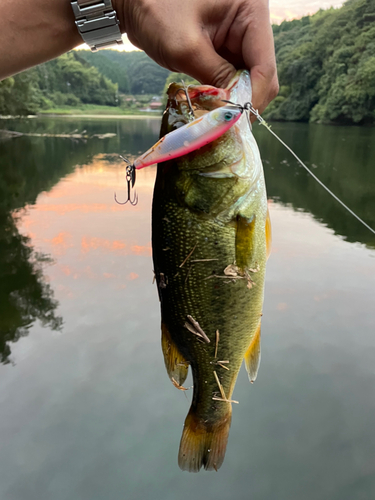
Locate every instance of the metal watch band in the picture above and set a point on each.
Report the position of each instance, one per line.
(97, 23)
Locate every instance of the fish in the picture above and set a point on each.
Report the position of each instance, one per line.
(211, 237)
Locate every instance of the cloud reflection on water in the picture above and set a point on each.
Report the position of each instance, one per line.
(87, 411)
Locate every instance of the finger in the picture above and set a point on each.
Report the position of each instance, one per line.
(259, 56)
(235, 59)
(202, 62)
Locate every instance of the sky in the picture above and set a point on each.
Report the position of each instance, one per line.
(292, 9)
(280, 10)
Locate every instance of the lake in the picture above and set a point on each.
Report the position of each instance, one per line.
(87, 410)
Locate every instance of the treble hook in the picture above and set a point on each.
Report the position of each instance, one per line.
(185, 90)
(130, 179)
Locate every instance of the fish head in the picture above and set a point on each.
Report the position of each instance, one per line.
(216, 176)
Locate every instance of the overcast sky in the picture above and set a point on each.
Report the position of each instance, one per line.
(291, 9)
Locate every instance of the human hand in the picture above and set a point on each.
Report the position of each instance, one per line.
(207, 39)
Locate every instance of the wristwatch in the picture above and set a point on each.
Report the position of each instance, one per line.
(97, 23)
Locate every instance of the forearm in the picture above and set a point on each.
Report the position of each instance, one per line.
(34, 31)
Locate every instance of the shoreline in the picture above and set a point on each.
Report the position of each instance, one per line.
(53, 115)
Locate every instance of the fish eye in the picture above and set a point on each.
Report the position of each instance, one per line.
(228, 116)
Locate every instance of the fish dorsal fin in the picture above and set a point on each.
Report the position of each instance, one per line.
(244, 241)
(175, 364)
(268, 231)
(252, 356)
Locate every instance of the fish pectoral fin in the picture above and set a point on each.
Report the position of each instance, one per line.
(244, 241)
(252, 356)
(175, 364)
(203, 444)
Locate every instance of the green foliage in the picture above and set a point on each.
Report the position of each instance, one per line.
(113, 70)
(67, 80)
(20, 95)
(326, 65)
(70, 74)
(145, 76)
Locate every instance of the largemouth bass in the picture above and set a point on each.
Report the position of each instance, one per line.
(210, 237)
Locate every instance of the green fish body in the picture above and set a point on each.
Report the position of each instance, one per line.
(210, 237)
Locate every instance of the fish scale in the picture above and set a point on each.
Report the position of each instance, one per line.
(206, 300)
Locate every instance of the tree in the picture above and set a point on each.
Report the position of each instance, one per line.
(326, 65)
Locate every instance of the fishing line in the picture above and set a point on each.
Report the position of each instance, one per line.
(250, 109)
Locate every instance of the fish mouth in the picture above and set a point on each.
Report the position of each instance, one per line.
(193, 101)
(187, 102)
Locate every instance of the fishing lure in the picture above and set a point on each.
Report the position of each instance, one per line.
(183, 140)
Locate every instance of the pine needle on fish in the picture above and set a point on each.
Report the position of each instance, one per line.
(221, 388)
(202, 260)
(222, 366)
(188, 274)
(190, 254)
(195, 328)
(226, 400)
(178, 386)
(217, 342)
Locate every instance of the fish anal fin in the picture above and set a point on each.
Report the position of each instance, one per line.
(175, 364)
(203, 444)
(252, 356)
(244, 241)
(268, 231)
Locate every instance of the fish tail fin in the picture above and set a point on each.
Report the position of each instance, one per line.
(203, 444)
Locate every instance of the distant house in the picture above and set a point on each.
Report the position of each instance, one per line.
(154, 105)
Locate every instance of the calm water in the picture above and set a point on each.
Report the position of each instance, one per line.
(87, 410)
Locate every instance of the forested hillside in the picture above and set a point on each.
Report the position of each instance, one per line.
(326, 65)
(144, 75)
(67, 80)
(116, 72)
(81, 77)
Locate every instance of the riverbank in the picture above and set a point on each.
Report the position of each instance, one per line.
(127, 117)
(91, 116)
(91, 111)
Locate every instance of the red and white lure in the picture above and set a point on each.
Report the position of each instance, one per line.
(184, 140)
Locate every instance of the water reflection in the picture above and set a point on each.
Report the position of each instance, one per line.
(341, 157)
(28, 167)
(24, 294)
(90, 414)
